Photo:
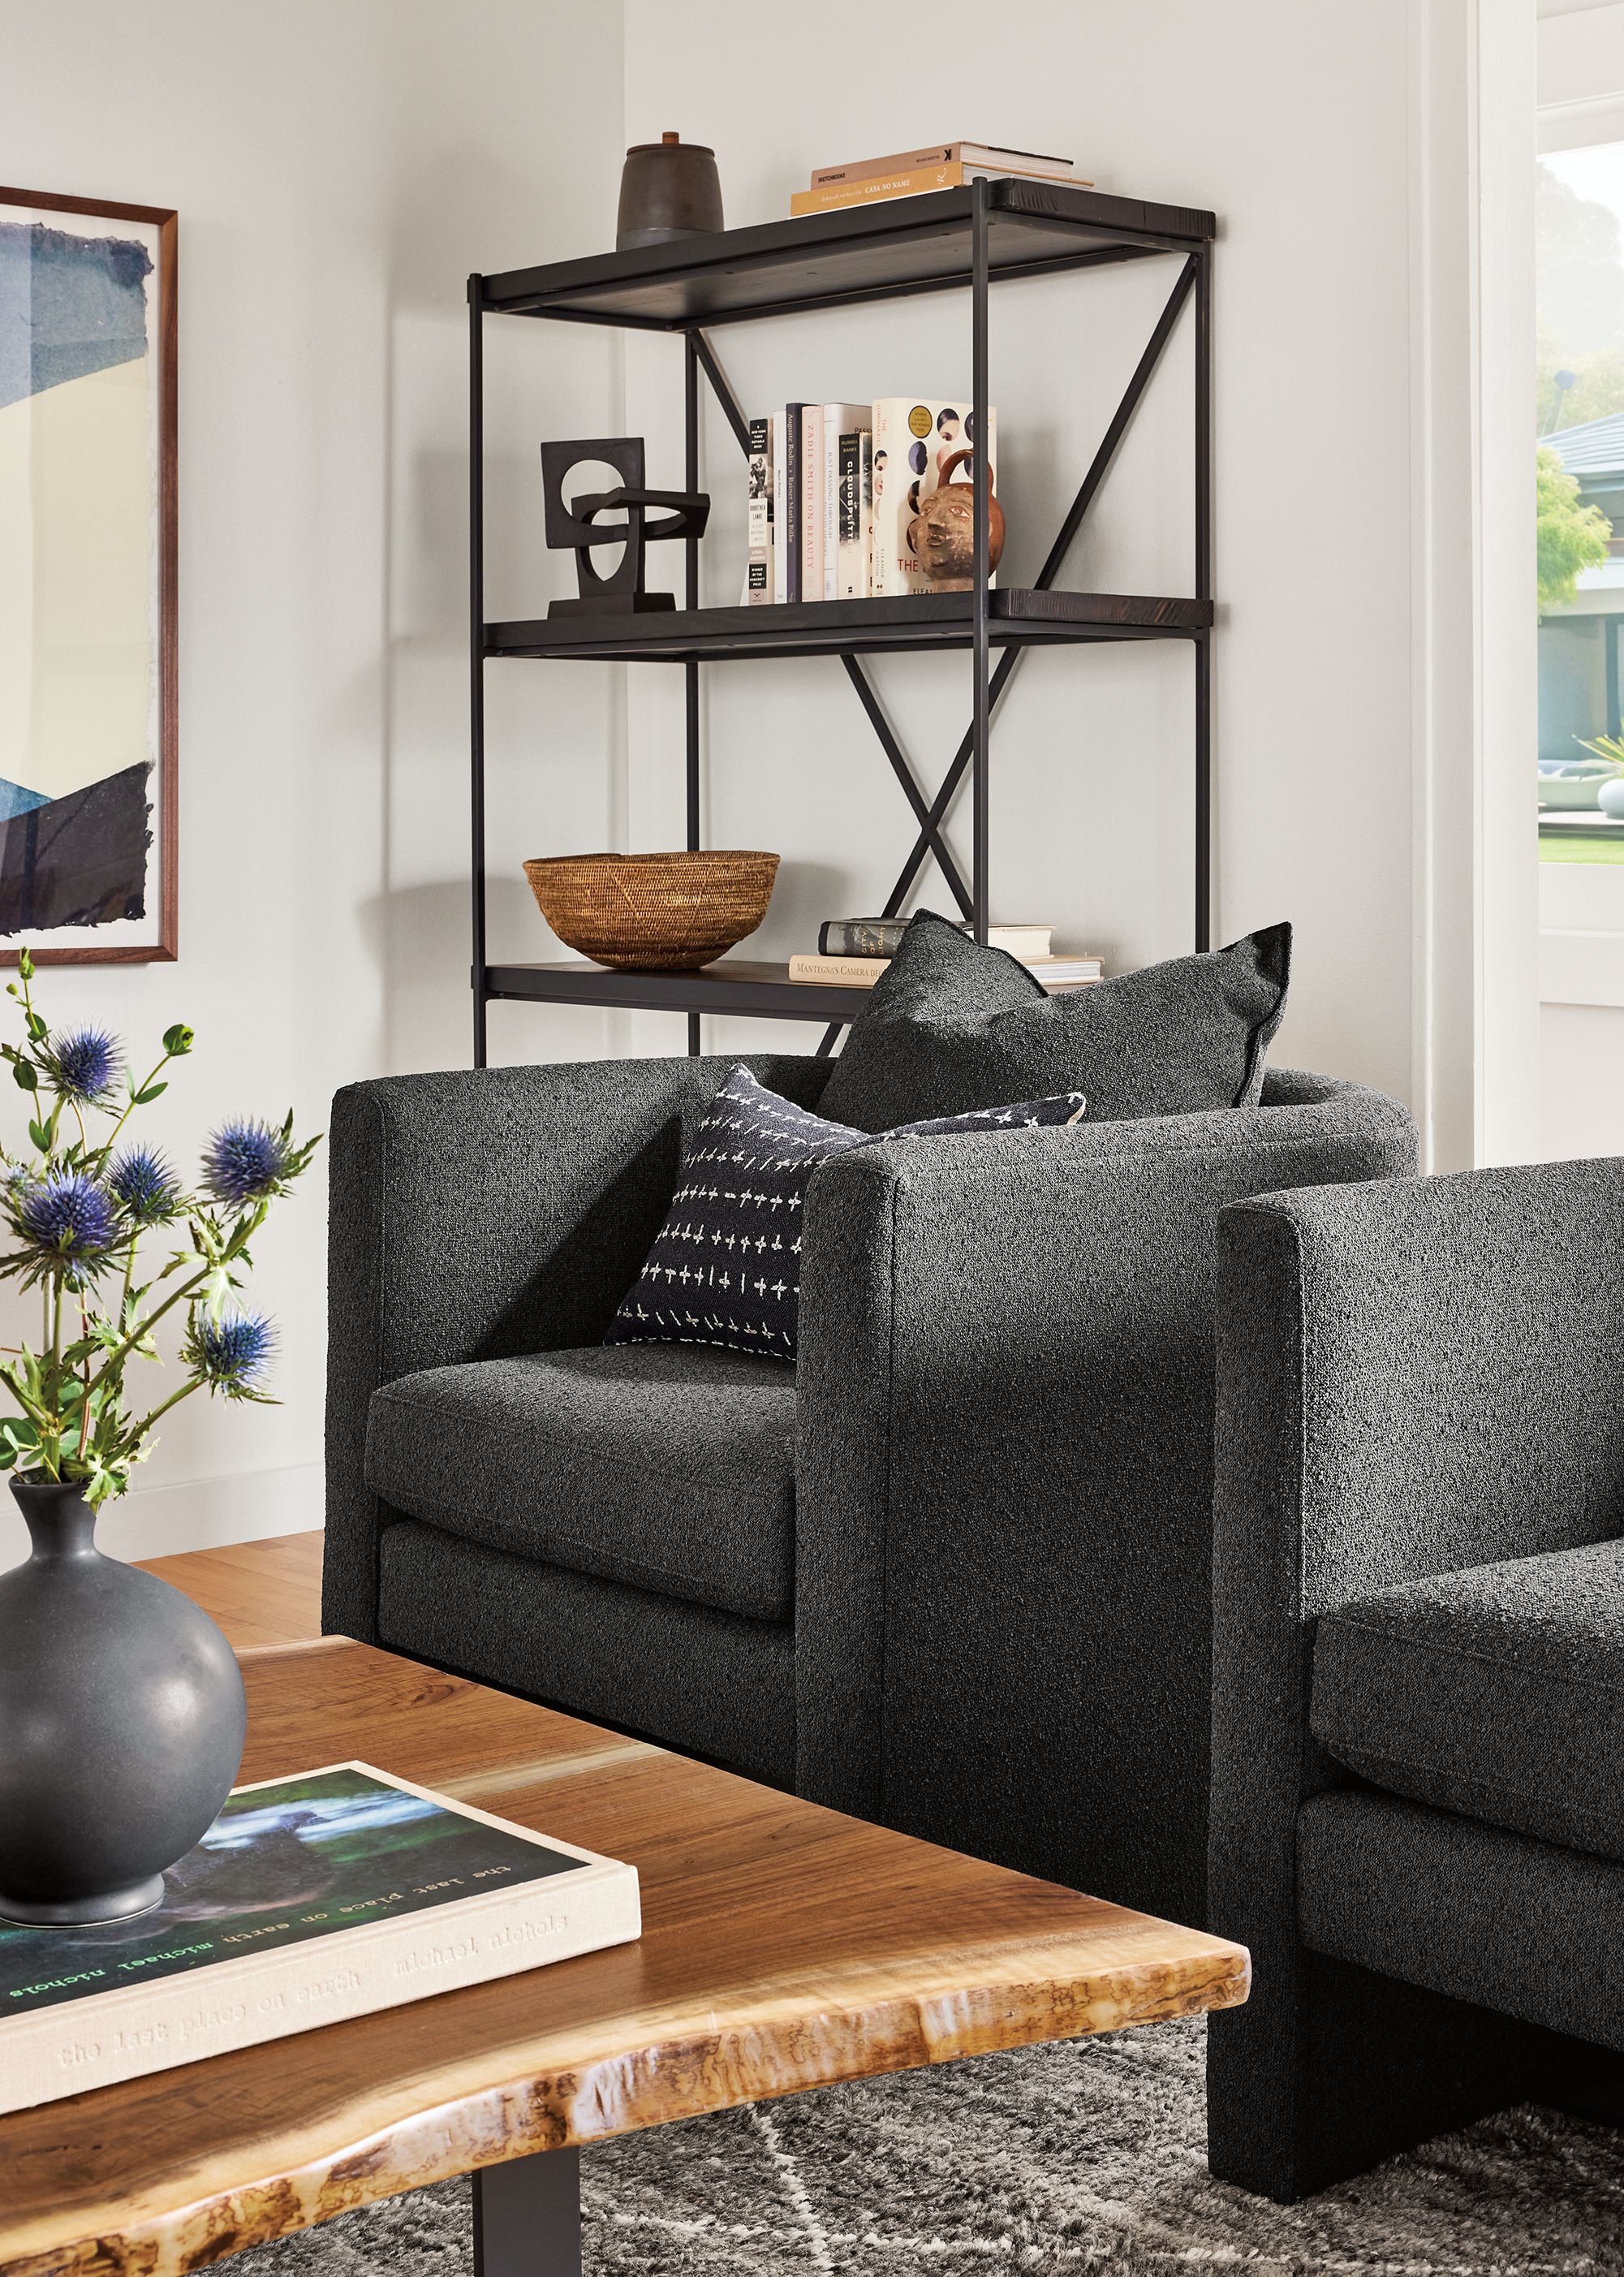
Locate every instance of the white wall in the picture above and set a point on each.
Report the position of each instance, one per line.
(1292, 123)
(337, 169)
(1582, 1015)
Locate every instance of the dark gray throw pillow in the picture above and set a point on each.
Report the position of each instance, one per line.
(726, 1265)
(950, 1025)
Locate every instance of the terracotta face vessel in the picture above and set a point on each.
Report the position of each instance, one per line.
(943, 532)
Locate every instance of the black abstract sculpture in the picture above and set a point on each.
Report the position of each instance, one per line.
(576, 524)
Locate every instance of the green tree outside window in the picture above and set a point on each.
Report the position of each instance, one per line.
(1571, 536)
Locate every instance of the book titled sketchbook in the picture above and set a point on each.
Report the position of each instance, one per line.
(309, 1901)
(862, 972)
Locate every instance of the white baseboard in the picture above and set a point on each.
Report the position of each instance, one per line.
(194, 1514)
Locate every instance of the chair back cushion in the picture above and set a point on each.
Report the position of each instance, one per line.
(950, 1025)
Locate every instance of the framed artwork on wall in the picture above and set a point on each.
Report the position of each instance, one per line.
(89, 711)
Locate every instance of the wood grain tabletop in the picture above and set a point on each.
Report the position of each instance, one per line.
(784, 1947)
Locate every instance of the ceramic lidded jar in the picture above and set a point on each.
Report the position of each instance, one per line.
(668, 189)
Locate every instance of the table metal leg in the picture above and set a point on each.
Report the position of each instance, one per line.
(526, 2217)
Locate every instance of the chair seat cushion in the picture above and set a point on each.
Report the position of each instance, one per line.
(1497, 1692)
(668, 1466)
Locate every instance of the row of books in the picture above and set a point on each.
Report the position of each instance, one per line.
(941, 166)
(852, 952)
(834, 488)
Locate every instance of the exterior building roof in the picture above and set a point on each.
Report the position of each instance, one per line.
(1596, 446)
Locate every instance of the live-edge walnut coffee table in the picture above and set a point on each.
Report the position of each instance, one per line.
(784, 1947)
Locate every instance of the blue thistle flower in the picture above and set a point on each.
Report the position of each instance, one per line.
(85, 1063)
(231, 1353)
(144, 1186)
(71, 1218)
(245, 1162)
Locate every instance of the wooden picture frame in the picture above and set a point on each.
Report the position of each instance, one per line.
(106, 860)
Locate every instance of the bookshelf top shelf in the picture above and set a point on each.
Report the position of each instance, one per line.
(887, 250)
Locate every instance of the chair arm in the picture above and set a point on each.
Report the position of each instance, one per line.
(483, 1213)
(1423, 1375)
(1003, 1480)
(1413, 1377)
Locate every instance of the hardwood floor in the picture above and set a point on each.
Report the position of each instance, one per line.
(260, 1593)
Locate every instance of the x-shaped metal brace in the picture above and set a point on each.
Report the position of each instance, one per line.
(931, 815)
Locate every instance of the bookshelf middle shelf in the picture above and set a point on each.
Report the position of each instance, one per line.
(1020, 617)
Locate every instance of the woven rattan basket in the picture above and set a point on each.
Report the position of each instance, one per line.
(654, 912)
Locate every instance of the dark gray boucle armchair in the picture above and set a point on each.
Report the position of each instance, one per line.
(1418, 1736)
(952, 1572)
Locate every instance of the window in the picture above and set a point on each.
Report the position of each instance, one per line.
(1579, 246)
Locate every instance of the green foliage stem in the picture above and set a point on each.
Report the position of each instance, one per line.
(74, 1420)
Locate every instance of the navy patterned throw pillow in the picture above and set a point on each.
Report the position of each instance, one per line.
(726, 1265)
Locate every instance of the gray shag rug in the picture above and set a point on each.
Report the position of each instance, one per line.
(1085, 2156)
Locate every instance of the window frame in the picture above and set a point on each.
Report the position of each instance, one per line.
(1581, 904)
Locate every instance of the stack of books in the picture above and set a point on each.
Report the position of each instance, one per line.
(852, 952)
(942, 166)
(833, 489)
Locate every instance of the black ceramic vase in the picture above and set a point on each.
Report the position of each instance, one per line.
(122, 1720)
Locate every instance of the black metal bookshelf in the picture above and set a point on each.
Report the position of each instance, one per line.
(968, 238)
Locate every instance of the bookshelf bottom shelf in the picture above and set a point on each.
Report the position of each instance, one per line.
(738, 987)
(735, 987)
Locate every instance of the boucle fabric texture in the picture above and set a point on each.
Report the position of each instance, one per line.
(707, 1683)
(1497, 1692)
(669, 1467)
(1408, 1389)
(726, 1265)
(1470, 1912)
(950, 1024)
(1003, 1483)
(1004, 1489)
(480, 1213)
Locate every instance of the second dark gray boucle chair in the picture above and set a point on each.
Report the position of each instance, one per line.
(951, 1573)
(1417, 1823)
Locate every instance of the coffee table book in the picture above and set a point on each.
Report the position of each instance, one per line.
(310, 1901)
